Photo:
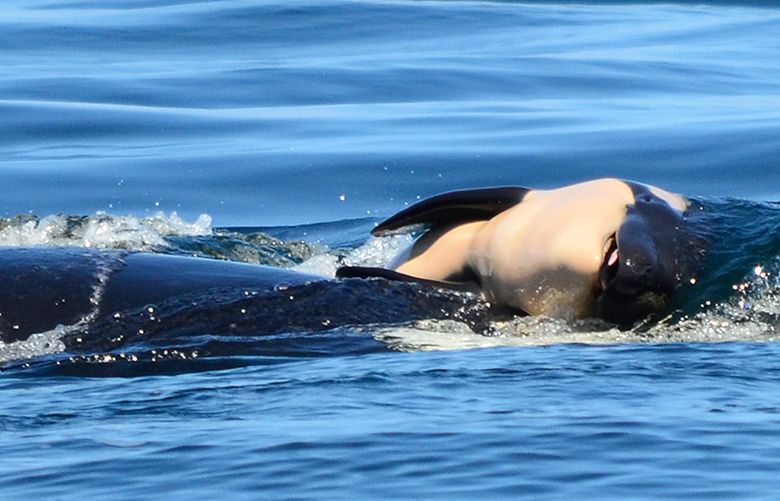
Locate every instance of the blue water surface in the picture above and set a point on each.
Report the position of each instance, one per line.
(623, 421)
(268, 112)
(296, 116)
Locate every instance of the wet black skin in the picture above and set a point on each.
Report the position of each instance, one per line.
(43, 287)
(650, 243)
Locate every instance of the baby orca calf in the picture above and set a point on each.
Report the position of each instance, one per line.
(605, 248)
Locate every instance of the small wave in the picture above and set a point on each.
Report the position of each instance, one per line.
(99, 231)
(752, 313)
(253, 247)
(373, 252)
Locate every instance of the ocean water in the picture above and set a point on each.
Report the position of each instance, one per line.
(278, 134)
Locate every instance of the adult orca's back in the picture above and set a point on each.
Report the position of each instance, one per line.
(43, 287)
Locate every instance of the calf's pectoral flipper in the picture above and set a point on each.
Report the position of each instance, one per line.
(441, 256)
(455, 207)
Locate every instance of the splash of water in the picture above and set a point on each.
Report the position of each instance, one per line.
(37, 345)
(374, 252)
(100, 231)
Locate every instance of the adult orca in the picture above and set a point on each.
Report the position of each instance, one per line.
(605, 248)
(111, 299)
(43, 287)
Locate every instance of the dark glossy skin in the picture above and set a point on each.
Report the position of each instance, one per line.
(651, 244)
(44, 287)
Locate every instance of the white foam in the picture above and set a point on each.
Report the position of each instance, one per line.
(434, 335)
(43, 343)
(324, 265)
(374, 252)
(753, 314)
(101, 231)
